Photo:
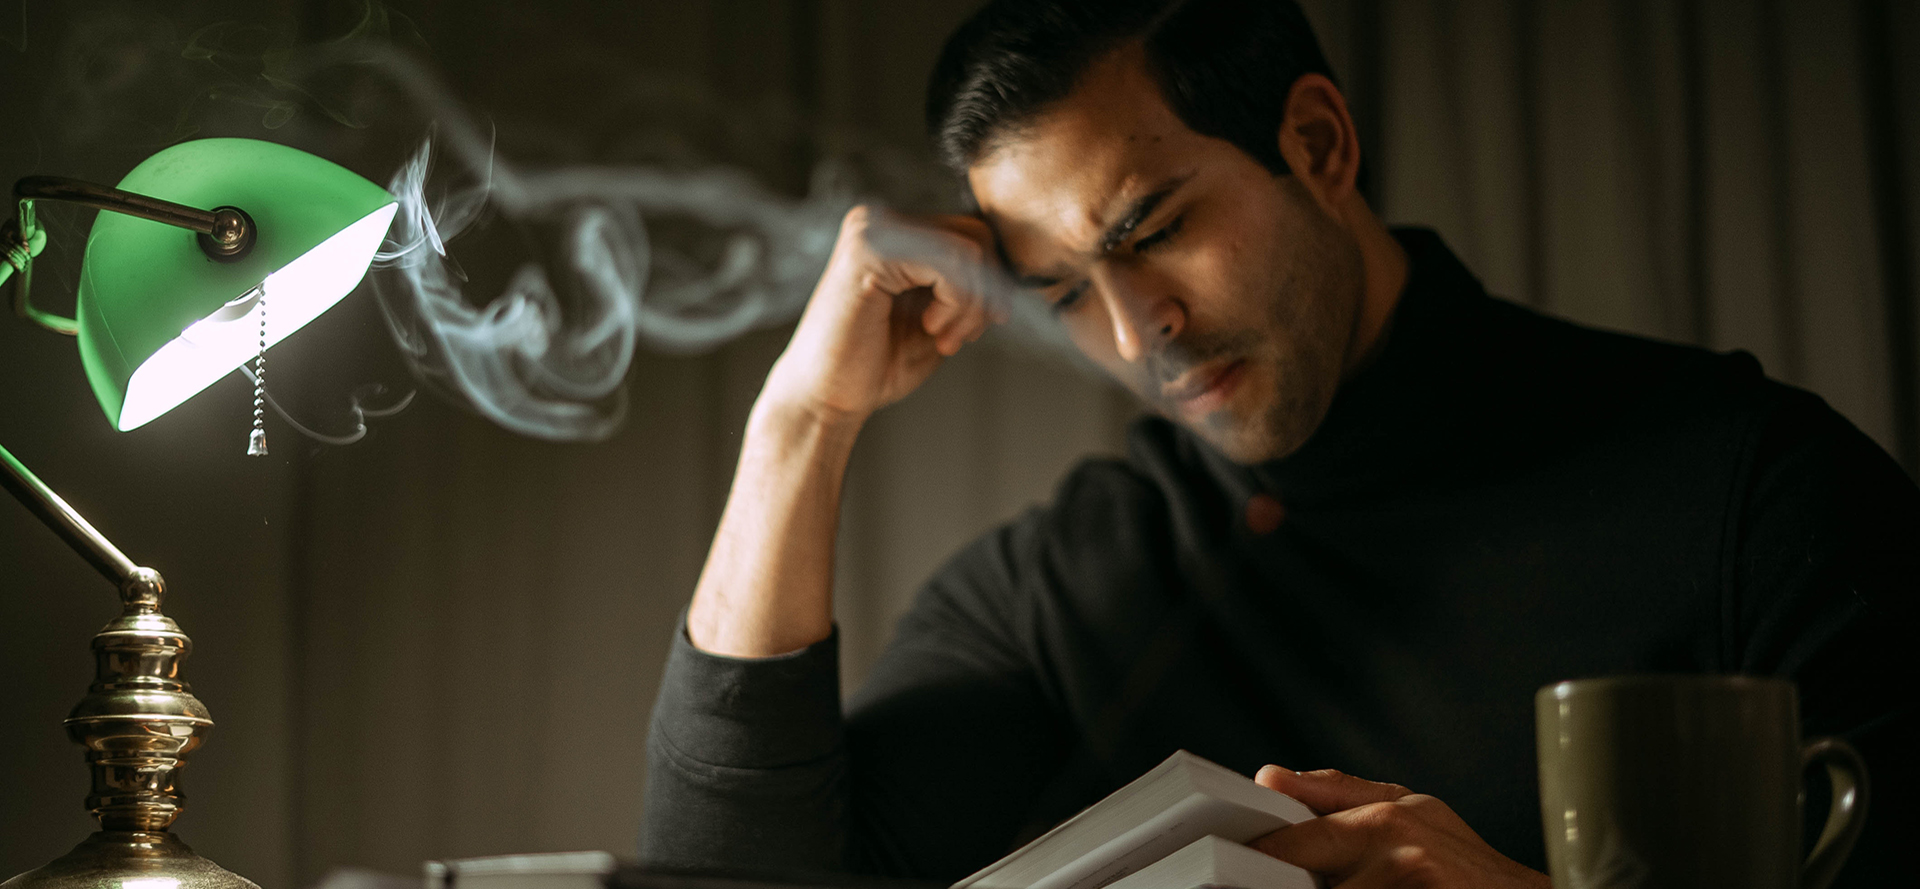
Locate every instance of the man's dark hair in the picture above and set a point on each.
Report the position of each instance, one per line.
(1224, 66)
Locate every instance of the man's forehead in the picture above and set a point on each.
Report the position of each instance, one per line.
(1065, 177)
(1072, 207)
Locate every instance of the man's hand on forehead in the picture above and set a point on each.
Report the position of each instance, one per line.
(899, 295)
(961, 249)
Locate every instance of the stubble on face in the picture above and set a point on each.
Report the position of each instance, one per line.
(1263, 285)
(1310, 308)
(1289, 313)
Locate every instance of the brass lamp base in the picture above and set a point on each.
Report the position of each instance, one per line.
(130, 859)
(138, 722)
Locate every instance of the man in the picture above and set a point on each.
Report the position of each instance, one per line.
(1378, 509)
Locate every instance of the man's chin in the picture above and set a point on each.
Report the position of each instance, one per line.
(1242, 441)
(1253, 435)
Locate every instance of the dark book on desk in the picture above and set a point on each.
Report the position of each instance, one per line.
(601, 870)
(1184, 799)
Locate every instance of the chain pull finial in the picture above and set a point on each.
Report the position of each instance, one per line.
(257, 442)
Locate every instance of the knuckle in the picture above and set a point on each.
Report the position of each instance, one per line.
(1379, 818)
(857, 228)
(1413, 866)
(1420, 802)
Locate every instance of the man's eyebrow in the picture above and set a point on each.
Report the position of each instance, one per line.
(1138, 213)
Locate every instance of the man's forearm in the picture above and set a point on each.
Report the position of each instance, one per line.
(767, 587)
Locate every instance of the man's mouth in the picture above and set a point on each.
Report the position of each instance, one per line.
(1206, 388)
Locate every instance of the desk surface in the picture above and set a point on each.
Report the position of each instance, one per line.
(636, 877)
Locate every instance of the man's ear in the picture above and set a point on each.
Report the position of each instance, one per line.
(1319, 143)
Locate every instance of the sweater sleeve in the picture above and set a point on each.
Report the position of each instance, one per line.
(1826, 591)
(746, 765)
(752, 766)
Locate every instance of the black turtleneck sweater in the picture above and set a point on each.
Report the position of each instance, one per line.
(1499, 501)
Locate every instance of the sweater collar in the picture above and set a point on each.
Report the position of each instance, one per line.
(1386, 422)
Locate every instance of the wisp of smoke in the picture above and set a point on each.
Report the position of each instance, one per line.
(548, 355)
(549, 358)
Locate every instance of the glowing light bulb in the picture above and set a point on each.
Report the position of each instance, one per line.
(212, 347)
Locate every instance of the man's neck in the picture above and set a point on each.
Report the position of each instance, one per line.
(1384, 264)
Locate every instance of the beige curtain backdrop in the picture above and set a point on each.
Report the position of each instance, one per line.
(1734, 173)
(450, 645)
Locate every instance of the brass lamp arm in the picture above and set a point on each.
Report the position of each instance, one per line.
(226, 233)
(101, 197)
(74, 529)
(20, 242)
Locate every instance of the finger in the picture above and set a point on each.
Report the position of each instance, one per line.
(968, 330)
(1403, 866)
(925, 304)
(954, 264)
(1327, 790)
(972, 323)
(938, 316)
(953, 326)
(957, 271)
(972, 259)
(952, 301)
(1335, 844)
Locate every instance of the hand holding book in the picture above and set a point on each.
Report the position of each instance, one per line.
(1181, 826)
(1379, 835)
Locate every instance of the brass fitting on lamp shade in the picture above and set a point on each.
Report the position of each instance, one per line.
(138, 722)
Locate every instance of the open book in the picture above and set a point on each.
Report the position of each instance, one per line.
(1213, 862)
(1181, 800)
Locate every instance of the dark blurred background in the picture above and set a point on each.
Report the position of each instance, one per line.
(443, 640)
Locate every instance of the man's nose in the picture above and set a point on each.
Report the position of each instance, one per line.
(1145, 316)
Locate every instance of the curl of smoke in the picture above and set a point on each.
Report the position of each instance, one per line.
(548, 356)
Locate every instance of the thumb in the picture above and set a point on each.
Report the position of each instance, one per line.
(1327, 791)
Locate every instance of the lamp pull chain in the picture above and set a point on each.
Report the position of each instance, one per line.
(257, 442)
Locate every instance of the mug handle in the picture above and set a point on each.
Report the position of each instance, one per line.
(1847, 814)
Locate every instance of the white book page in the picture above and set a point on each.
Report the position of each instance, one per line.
(1196, 816)
(1212, 861)
(1181, 800)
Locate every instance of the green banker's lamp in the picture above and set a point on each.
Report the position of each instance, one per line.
(201, 240)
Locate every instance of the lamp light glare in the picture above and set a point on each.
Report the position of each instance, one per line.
(211, 348)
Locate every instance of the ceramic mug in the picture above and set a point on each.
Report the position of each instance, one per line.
(1652, 782)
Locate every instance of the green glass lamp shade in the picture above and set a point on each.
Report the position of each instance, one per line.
(160, 320)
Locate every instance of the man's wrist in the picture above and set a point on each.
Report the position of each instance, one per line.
(793, 423)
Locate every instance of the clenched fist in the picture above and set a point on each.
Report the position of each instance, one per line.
(899, 295)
